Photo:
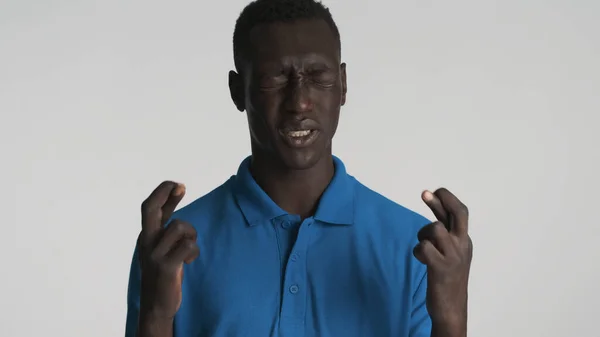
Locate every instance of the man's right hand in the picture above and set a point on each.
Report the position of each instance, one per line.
(163, 250)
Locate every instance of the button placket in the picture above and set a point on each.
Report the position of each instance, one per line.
(293, 309)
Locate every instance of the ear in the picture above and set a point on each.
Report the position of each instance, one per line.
(236, 89)
(344, 83)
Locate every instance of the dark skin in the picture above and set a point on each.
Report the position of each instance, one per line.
(293, 80)
(162, 253)
(446, 249)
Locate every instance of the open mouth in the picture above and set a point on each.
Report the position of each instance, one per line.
(298, 134)
(299, 138)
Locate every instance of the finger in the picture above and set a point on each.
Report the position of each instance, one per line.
(186, 251)
(172, 202)
(427, 254)
(436, 207)
(176, 232)
(458, 214)
(438, 235)
(152, 208)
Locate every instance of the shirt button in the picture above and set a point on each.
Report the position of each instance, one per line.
(286, 224)
(294, 289)
(294, 257)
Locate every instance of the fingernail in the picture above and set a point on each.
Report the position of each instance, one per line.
(427, 196)
(179, 190)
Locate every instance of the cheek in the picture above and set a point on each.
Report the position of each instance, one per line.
(329, 109)
(263, 113)
(268, 105)
(334, 122)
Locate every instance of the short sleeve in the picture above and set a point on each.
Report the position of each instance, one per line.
(133, 297)
(420, 322)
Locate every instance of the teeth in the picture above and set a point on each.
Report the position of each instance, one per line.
(299, 133)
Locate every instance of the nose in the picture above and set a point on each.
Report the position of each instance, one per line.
(299, 100)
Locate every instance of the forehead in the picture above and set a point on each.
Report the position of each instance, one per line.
(293, 41)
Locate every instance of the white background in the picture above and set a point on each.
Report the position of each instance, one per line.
(496, 100)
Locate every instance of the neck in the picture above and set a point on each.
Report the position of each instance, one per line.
(295, 191)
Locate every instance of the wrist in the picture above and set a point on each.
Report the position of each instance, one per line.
(153, 325)
(455, 327)
(451, 322)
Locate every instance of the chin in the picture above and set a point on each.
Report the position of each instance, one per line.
(300, 159)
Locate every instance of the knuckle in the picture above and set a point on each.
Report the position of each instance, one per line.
(186, 229)
(183, 228)
(190, 245)
(431, 231)
(464, 209)
(419, 250)
(147, 206)
(422, 234)
(193, 234)
(177, 226)
(438, 228)
(426, 245)
(470, 245)
(465, 252)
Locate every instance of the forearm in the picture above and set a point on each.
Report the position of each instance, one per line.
(457, 329)
(150, 326)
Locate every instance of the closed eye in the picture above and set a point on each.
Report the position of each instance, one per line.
(323, 78)
(273, 82)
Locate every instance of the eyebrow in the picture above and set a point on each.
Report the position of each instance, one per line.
(312, 61)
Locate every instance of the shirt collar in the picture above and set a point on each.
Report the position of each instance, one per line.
(336, 206)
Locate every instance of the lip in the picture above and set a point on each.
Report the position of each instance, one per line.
(305, 124)
(299, 142)
(299, 125)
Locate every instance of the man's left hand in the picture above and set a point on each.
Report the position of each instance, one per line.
(446, 248)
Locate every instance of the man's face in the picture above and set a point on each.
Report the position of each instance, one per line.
(293, 88)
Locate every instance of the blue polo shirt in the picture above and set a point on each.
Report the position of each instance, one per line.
(347, 271)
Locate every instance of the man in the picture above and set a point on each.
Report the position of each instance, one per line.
(292, 245)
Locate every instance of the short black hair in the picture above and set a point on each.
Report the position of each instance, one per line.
(270, 11)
